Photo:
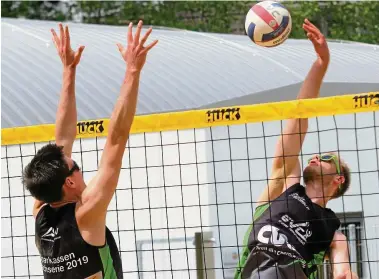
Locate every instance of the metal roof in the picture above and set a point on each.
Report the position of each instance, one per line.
(186, 70)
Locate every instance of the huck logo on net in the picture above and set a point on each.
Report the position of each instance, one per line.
(90, 127)
(366, 100)
(229, 114)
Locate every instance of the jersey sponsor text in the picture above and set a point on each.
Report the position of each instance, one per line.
(68, 261)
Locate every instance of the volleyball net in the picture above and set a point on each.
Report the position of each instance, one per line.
(190, 181)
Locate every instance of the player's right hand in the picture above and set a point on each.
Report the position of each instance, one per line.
(135, 52)
(62, 43)
(318, 40)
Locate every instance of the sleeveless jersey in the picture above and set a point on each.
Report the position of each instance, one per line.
(65, 254)
(291, 226)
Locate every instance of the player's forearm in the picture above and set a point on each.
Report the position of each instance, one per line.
(125, 109)
(309, 89)
(312, 83)
(121, 121)
(289, 145)
(66, 118)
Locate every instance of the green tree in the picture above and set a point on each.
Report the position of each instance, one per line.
(355, 21)
(350, 20)
(43, 10)
(99, 12)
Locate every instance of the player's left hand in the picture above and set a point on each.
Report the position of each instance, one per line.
(62, 43)
(135, 53)
(318, 40)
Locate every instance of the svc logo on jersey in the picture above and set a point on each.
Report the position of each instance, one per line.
(51, 235)
(271, 235)
(302, 231)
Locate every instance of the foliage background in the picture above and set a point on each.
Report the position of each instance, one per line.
(340, 20)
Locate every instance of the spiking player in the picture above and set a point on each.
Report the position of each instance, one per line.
(293, 230)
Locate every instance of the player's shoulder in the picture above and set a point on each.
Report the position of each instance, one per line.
(330, 212)
(294, 188)
(39, 211)
(48, 212)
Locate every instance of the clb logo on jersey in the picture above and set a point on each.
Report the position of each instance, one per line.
(272, 235)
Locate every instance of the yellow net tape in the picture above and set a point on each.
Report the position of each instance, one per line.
(206, 118)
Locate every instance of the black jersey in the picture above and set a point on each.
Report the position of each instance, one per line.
(65, 254)
(291, 226)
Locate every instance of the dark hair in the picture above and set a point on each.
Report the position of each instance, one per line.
(45, 175)
(345, 171)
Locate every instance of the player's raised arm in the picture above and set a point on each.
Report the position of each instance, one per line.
(66, 117)
(286, 168)
(97, 196)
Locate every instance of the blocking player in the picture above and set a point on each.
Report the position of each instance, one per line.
(70, 217)
(293, 230)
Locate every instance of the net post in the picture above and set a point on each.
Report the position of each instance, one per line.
(352, 247)
(204, 242)
(199, 256)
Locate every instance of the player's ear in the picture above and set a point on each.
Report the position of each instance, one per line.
(339, 179)
(69, 183)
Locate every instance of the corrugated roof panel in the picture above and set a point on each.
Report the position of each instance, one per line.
(186, 70)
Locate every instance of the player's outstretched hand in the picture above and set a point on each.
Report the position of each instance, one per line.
(135, 53)
(318, 40)
(62, 43)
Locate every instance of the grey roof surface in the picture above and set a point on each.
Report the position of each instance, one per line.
(186, 70)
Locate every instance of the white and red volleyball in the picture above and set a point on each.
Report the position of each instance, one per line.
(268, 23)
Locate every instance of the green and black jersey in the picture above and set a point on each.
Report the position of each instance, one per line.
(65, 254)
(290, 227)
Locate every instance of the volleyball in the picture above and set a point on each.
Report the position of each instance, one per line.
(268, 23)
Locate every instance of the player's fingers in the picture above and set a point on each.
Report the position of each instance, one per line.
(61, 35)
(138, 32)
(307, 28)
(312, 38)
(80, 50)
(150, 46)
(55, 43)
(312, 31)
(120, 48)
(146, 36)
(67, 36)
(130, 33)
(78, 54)
(144, 39)
(307, 21)
(55, 37)
(311, 28)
